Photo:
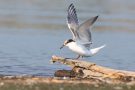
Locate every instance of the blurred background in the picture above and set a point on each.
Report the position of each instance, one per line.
(31, 31)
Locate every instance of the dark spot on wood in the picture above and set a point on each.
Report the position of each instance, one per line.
(64, 73)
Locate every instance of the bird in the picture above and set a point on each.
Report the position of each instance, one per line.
(82, 40)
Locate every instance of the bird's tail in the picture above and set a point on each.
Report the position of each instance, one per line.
(96, 50)
(102, 46)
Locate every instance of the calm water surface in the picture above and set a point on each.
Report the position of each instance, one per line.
(32, 31)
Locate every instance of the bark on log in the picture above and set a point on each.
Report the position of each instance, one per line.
(85, 69)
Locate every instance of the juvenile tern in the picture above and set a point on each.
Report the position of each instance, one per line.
(81, 41)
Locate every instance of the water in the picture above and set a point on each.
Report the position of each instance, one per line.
(32, 31)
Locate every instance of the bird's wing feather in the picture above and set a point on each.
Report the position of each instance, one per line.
(83, 32)
(72, 20)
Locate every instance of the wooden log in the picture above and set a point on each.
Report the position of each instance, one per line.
(85, 69)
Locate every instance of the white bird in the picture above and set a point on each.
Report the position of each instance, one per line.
(81, 41)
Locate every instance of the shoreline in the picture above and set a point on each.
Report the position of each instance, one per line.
(59, 83)
(59, 80)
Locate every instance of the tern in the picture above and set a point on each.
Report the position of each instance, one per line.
(81, 41)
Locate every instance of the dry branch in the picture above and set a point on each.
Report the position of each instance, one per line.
(85, 69)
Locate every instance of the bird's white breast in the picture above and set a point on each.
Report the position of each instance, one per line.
(79, 49)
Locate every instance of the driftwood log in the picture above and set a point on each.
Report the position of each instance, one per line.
(83, 69)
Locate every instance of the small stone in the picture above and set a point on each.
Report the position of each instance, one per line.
(2, 83)
(66, 78)
(118, 88)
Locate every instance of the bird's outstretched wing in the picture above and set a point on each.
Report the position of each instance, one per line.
(83, 32)
(72, 20)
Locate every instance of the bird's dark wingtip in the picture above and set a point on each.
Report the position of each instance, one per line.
(96, 16)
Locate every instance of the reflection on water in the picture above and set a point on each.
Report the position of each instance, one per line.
(32, 31)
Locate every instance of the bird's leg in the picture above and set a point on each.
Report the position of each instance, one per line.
(74, 58)
(82, 56)
(68, 58)
(78, 57)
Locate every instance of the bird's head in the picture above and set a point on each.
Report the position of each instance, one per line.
(66, 42)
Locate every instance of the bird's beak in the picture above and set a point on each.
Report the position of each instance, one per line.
(62, 46)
